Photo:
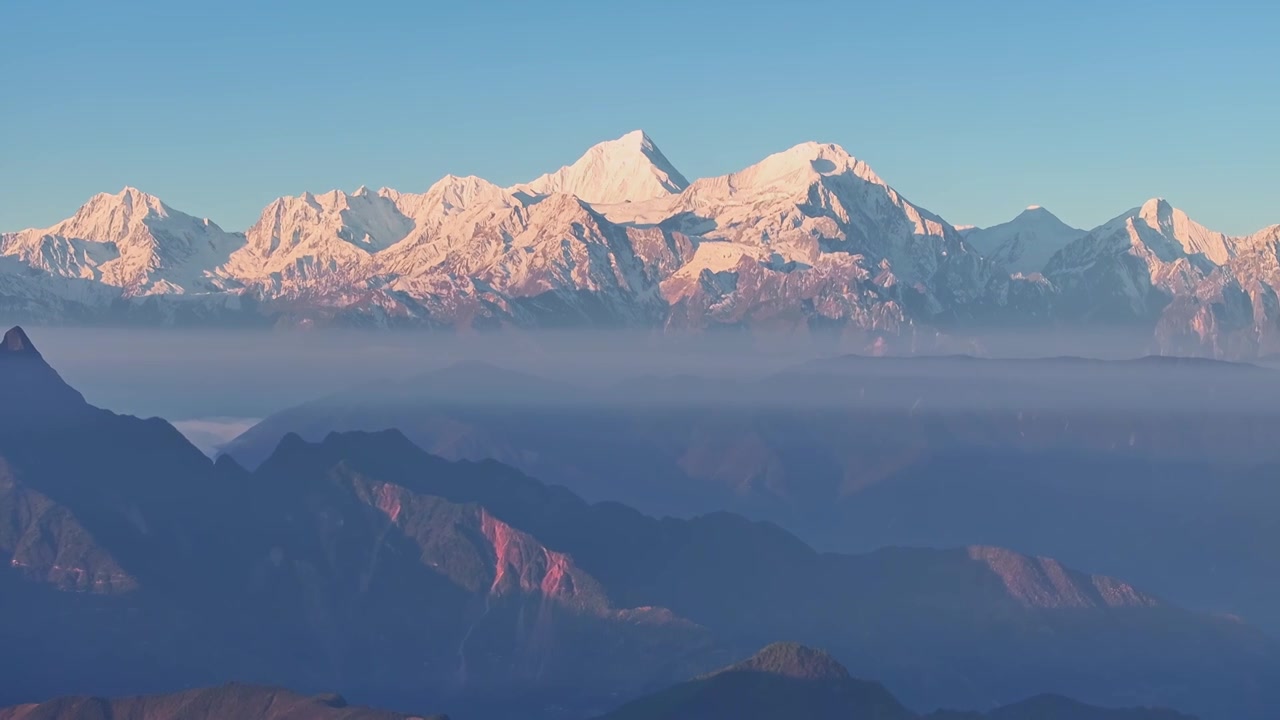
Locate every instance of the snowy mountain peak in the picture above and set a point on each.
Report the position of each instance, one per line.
(332, 202)
(628, 169)
(128, 240)
(637, 138)
(1138, 260)
(1172, 224)
(335, 199)
(1156, 212)
(111, 217)
(1027, 242)
(799, 166)
(133, 196)
(464, 191)
(1271, 233)
(448, 196)
(326, 238)
(1037, 211)
(461, 183)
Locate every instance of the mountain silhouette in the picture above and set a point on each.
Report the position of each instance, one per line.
(131, 563)
(216, 703)
(30, 387)
(788, 680)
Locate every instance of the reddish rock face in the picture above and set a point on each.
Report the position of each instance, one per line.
(1044, 582)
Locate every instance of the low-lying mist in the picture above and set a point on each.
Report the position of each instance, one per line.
(179, 374)
(227, 376)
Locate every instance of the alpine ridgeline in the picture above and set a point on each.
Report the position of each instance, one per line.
(809, 238)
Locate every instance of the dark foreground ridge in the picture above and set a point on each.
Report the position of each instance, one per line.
(16, 341)
(788, 680)
(30, 386)
(363, 564)
(233, 701)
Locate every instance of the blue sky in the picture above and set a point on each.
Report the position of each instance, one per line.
(972, 109)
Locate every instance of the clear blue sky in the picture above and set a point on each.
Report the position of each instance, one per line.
(973, 109)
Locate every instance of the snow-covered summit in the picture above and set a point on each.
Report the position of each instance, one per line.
(109, 217)
(1192, 237)
(1160, 230)
(1129, 267)
(792, 169)
(628, 169)
(1025, 243)
(449, 196)
(130, 240)
(370, 222)
(327, 238)
(817, 206)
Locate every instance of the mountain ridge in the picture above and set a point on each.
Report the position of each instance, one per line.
(806, 240)
(366, 561)
(778, 682)
(236, 700)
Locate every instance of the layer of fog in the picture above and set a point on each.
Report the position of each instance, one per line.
(211, 434)
(208, 375)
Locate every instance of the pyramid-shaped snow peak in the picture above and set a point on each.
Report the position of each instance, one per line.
(108, 217)
(628, 169)
(796, 167)
(1173, 225)
(1026, 243)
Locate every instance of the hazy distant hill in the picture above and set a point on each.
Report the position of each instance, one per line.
(1157, 469)
(361, 563)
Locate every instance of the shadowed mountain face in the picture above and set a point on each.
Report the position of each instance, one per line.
(217, 703)
(786, 680)
(87, 494)
(30, 384)
(134, 564)
(365, 564)
(1156, 469)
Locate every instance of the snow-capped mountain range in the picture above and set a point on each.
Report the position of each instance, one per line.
(806, 238)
